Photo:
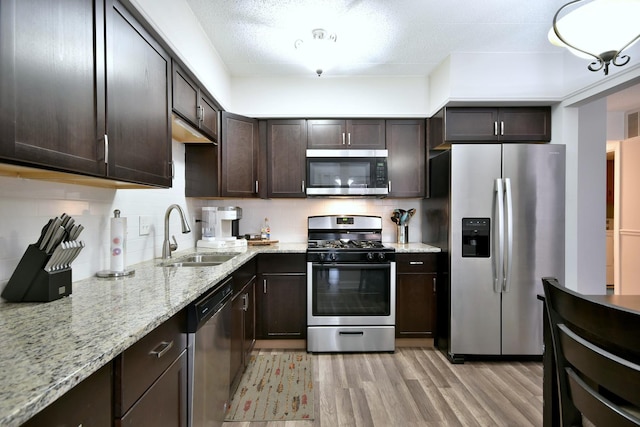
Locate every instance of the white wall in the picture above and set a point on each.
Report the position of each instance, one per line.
(178, 26)
(497, 77)
(26, 205)
(328, 96)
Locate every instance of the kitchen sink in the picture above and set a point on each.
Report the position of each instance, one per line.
(200, 260)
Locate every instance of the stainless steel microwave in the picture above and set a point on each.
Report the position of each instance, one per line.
(347, 173)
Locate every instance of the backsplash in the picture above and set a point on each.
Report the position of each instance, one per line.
(26, 205)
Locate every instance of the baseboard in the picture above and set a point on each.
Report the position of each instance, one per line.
(302, 344)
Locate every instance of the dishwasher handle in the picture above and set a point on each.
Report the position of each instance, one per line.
(203, 309)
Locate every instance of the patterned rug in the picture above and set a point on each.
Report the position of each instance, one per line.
(274, 387)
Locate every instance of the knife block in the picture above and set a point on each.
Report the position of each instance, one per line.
(31, 283)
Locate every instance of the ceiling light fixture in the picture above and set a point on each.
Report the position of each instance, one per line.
(318, 51)
(604, 27)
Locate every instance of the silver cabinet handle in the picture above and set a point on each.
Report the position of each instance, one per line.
(173, 170)
(342, 138)
(256, 186)
(245, 302)
(434, 285)
(303, 186)
(202, 114)
(161, 349)
(495, 128)
(389, 186)
(416, 262)
(264, 286)
(106, 149)
(349, 138)
(501, 128)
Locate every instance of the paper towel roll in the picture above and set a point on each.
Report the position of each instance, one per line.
(118, 242)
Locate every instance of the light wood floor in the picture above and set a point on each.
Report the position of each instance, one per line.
(419, 387)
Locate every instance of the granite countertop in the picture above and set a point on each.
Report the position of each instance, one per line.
(48, 348)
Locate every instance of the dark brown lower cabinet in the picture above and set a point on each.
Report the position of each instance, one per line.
(150, 381)
(88, 403)
(243, 330)
(165, 402)
(281, 296)
(416, 295)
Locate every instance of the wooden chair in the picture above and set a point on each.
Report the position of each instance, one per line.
(597, 353)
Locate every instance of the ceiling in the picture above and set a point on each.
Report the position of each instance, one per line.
(376, 37)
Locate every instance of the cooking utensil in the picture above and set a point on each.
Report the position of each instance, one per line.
(55, 239)
(54, 224)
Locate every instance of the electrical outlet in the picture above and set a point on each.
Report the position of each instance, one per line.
(145, 224)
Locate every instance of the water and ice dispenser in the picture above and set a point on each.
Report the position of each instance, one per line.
(475, 237)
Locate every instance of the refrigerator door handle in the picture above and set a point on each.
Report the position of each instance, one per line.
(498, 255)
(509, 234)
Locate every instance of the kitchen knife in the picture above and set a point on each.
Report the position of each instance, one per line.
(55, 239)
(43, 233)
(55, 224)
(55, 258)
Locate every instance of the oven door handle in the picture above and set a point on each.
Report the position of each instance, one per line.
(383, 266)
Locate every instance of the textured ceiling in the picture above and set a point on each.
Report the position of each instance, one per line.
(376, 37)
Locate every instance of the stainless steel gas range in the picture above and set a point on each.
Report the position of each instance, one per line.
(351, 285)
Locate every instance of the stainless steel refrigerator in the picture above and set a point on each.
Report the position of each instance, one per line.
(497, 212)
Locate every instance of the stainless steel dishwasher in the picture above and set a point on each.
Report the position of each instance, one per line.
(209, 346)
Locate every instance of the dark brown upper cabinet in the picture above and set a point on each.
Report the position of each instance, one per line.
(407, 161)
(286, 164)
(52, 110)
(138, 102)
(346, 134)
(484, 124)
(65, 67)
(192, 104)
(239, 154)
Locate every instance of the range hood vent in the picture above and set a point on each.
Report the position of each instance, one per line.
(183, 132)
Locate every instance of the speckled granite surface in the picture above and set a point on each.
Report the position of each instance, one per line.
(47, 348)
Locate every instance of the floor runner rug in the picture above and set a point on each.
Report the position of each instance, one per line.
(274, 387)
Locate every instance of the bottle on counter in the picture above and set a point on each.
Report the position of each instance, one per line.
(266, 234)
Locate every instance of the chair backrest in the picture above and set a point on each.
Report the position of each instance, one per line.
(597, 353)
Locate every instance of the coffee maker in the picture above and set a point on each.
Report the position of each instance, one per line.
(220, 227)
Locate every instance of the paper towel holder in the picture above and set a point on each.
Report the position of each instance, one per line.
(125, 271)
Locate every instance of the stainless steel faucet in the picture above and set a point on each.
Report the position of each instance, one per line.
(167, 246)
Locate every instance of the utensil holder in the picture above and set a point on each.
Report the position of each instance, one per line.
(30, 282)
(403, 234)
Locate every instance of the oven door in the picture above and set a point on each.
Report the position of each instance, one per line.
(351, 294)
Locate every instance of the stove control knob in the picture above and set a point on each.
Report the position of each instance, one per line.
(321, 256)
(332, 256)
(370, 256)
(381, 256)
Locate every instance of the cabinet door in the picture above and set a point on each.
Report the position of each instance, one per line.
(286, 145)
(249, 337)
(88, 404)
(366, 133)
(208, 117)
(164, 403)
(138, 102)
(531, 124)
(406, 163)
(416, 295)
(463, 124)
(282, 306)
(52, 84)
(237, 344)
(415, 310)
(326, 134)
(185, 95)
(239, 154)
